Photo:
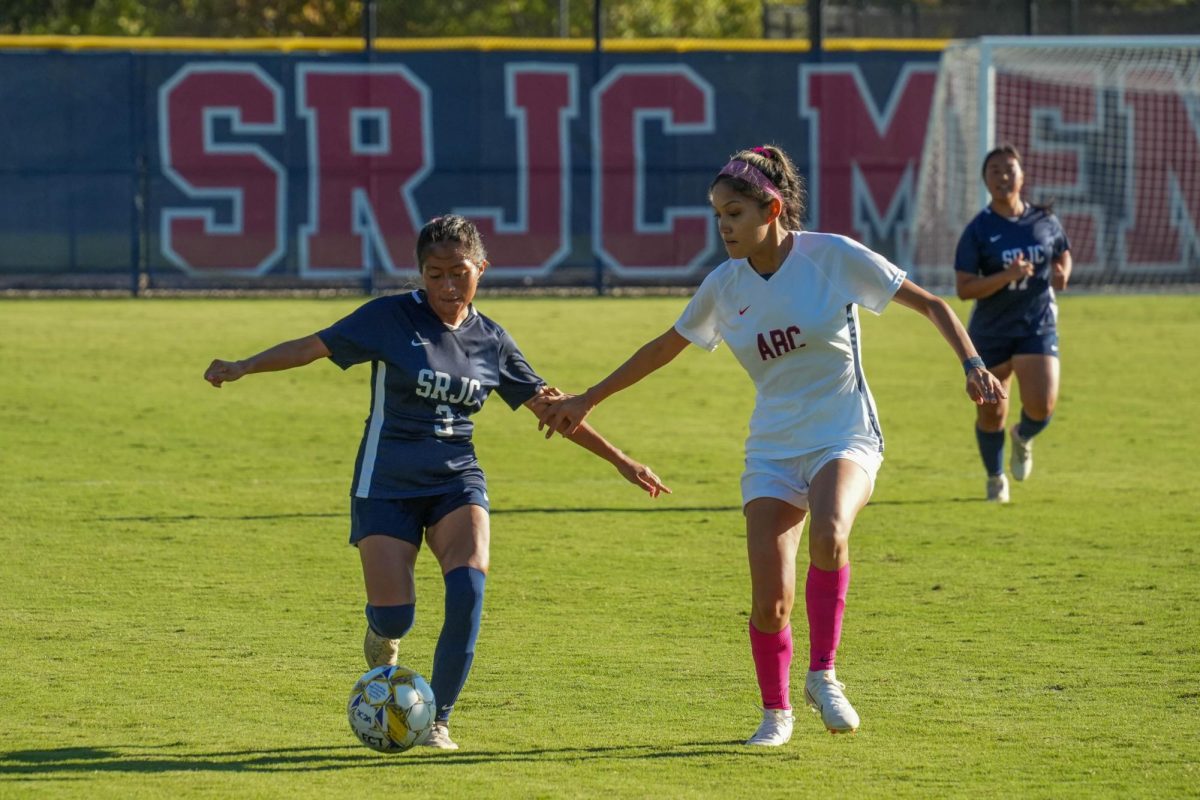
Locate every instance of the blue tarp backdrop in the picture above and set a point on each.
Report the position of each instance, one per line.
(277, 168)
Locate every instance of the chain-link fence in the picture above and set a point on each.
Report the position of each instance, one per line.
(974, 18)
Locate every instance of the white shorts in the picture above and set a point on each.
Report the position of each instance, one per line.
(787, 479)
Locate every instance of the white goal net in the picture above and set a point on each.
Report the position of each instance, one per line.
(1108, 130)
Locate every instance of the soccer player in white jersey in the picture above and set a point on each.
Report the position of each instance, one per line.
(434, 360)
(1011, 259)
(786, 302)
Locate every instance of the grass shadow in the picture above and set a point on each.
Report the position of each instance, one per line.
(69, 762)
(495, 512)
(210, 517)
(500, 512)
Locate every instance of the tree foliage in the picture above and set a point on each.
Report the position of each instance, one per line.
(231, 18)
(401, 18)
(426, 18)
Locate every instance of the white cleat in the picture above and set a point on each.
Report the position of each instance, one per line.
(380, 651)
(439, 737)
(824, 693)
(1021, 462)
(775, 730)
(997, 489)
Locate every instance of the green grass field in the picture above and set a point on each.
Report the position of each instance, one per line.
(180, 615)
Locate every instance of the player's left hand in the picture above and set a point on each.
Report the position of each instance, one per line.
(562, 413)
(643, 477)
(541, 402)
(984, 387)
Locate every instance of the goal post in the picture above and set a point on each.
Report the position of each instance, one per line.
(1109, 132)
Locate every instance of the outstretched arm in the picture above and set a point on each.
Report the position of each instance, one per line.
(567, 415)
(590, 439)
(982, 386)
(285, 355)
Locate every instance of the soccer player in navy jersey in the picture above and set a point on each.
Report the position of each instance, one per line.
(434, 360)
(1010, 260)
(786, 302)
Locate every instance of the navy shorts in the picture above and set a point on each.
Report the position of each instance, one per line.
(407, 518)
(995, 350)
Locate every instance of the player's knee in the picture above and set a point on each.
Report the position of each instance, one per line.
(829, 542)
(832, 531)
(391, 622)
(771, 617)
(991, 417)
(1037, 413)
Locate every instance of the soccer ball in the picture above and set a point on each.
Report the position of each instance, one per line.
(391, 709)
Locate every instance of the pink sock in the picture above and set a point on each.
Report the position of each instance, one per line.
(825, 597)
(772, 663)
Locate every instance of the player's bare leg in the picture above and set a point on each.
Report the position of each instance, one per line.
(387, 565)
(1037, 377)
(773, 530)
(462, 538)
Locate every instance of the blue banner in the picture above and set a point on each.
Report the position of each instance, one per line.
(277, 168)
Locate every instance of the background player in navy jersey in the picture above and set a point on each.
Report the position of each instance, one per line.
(786, 303)
(434, 360)
(1011, 259)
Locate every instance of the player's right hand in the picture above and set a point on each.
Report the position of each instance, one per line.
(1020, 268)
(219, 372)
(643, 477)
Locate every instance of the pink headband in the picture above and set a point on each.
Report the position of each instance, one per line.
(752, 175)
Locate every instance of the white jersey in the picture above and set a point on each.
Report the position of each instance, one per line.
(798, 337)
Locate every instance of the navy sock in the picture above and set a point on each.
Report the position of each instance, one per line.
(1029, 428)
(390, 622)
(456, 646)
(991, 449)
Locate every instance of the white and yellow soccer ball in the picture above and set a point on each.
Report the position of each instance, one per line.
(391, 709)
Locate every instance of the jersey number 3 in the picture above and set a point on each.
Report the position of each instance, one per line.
(445, 426)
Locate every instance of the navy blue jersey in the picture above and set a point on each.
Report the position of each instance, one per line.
(988, 245)
(426, 382)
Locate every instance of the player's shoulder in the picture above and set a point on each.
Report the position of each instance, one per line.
(831, 252)
(485, 322)
(384, 308)
(485, 327)
(722, 275)
(985, 219)
(817, 243)
(724, 269)
(1043, 213)
(407, 299)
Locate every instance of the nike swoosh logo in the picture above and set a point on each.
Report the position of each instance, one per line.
(419, 342)
(743, 311)
(995, 238)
